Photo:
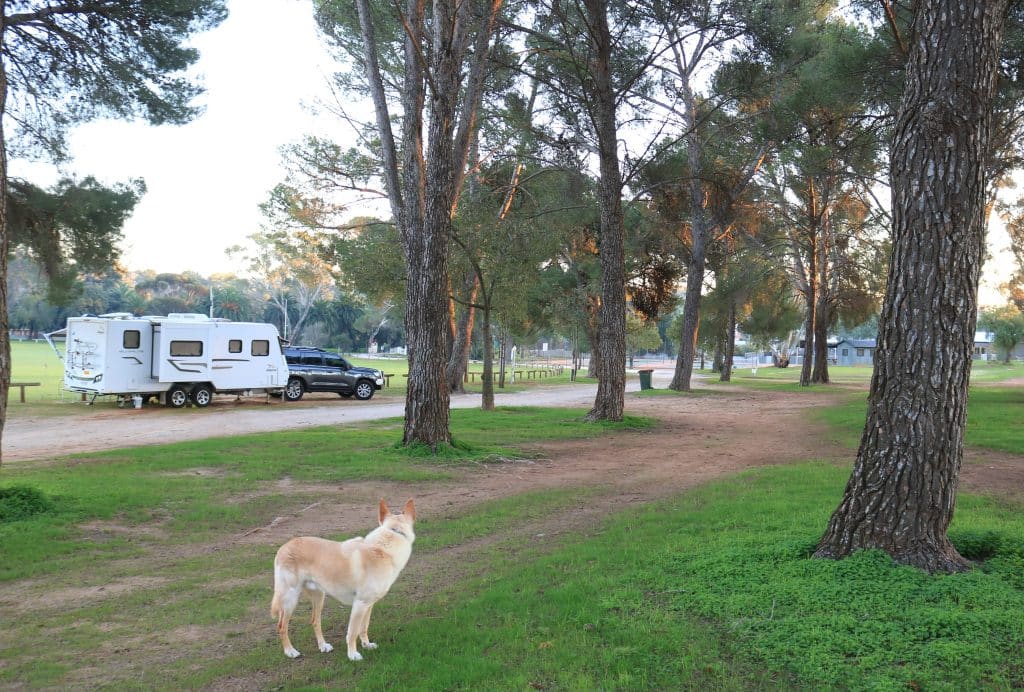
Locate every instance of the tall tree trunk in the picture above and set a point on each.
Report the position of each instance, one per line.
(823, 304)
(487, 400)
(811, 301)
(594, 338)
(427, 397)
(822, 320)
(730, 345)
(5, 327)
(808, 349)
(462, 336)
(902, 492)
(423, 189)
(611, 384)
(502, 356)
(691, 309)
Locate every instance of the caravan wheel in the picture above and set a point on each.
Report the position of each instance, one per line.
(202, 395)
(177, 396)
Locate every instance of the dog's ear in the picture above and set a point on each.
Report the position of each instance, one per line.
(410, 509)
(383, 510)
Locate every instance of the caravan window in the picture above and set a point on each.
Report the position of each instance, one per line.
(235, 346)
(132, 338)
(186, 348)
(260, 347)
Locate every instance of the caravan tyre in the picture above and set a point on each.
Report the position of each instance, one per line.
(177, 396)
(294, 389)
(202, 395)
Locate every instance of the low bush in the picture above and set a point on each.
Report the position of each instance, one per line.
(19, 502)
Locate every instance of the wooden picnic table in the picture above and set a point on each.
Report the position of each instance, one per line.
(22, 386)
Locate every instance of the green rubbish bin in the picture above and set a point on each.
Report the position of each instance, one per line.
(645, 379)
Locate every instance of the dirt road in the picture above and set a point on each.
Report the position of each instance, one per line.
(41, 437)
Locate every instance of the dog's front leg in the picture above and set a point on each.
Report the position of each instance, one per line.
(360, 611)
(364, 628)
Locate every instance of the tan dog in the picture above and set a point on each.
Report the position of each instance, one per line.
(358, 571)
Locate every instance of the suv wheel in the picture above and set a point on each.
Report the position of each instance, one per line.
(294, 390)
(364, 390)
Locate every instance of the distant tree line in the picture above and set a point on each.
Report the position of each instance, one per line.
(341, 321)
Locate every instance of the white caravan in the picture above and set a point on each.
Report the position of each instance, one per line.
(177, 358)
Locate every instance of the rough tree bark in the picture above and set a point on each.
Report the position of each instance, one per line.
(462, 334)
(487, 378)
(729, 347)
(823, 310)
(901, 495)
(699, 231)
(810, 293)
(611, 384)
(5, 339)
(423, 190)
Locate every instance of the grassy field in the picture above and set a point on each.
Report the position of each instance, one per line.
(713, 589)
(788, 379)
(194, 482)
(995, 418)
(36, 362)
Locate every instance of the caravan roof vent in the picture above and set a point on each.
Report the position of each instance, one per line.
(193, 316)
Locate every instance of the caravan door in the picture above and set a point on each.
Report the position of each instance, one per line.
(181, 352)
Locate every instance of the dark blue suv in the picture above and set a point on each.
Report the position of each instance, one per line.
(317, 370)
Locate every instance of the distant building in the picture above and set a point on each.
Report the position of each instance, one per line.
(855, 352)
(984, 349)
(830, 345)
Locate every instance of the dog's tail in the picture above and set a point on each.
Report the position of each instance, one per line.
(279, 588)
(275, 605)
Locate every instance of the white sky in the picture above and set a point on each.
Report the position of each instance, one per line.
(262, 69)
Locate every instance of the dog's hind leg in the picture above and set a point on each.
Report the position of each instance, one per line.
(360, 611)
(364, 630)
(289, 599)
(316, 596)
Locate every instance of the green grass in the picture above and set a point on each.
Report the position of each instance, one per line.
(36, 362)
(711, 590)
(788, 379)
(716, 590)
(191, 490)
(995, 417)
(736, 553)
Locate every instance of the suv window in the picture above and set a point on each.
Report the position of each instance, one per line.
(309, 359)
(334, 361)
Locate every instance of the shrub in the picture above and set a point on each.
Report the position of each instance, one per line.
(19, 502)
